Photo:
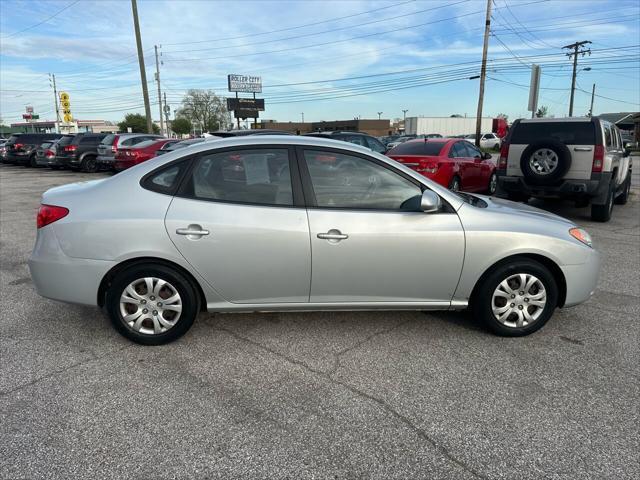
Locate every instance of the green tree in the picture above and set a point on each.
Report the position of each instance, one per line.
(206, 110)
(543, 111)
(455, 115)
(181, 126)
(137, 123)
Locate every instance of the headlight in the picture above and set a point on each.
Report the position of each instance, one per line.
(581, 235)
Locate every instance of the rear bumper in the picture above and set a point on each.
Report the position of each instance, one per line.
(59, 277)
(42, 161)
(596, 187)
(18, 159)
(581, 279)
(105, 161)
(123, 164)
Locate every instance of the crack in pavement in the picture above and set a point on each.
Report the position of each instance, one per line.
(359, 393)
(93, 358)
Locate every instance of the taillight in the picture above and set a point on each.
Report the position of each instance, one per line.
(598, 159)
(70, 148)
(428, 168)
(49, 154)
(50, 213)
(114, 147)
(504, 155)
(18, 146)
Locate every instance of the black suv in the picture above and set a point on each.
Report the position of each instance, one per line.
(80, 154)
(21, 147)
(367, 141)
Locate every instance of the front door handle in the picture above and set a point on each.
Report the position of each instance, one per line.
(333, 235)
(192, 231)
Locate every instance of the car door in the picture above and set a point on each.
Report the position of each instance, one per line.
(369, 240)
(463, 164)
(239, 221)
(478, 168)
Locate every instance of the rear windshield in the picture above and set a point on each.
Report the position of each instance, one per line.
(108, 140)
(569, 133)
(417, 148)
(65, 140)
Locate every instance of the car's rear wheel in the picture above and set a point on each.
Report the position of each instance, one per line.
(623, 198)
(454, 184)
(516, 298)
(493, 184)
(602, 213)
(89, 164)
(152, 304)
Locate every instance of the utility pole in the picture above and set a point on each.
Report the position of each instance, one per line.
(143, 74)
(159, 94)
(302, 113)
(483, 72)
(593, 94)
(576, 51)
(167, 109)
(379, 114)
(52, 82)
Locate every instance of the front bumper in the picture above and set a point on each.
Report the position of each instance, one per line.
(581, 279)
(60, 277)
(596, 187)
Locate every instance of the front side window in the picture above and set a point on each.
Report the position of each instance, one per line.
(345, 181)
(472, 150)
(259, 176)
(458, 150)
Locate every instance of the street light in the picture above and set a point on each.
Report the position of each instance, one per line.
(379, 114)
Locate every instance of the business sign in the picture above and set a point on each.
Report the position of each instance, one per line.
(66, 107)
(245, 104)
(29, 109)
(244, 83)
(246, 114)
(534, 88)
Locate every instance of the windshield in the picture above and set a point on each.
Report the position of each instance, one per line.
(471, 199)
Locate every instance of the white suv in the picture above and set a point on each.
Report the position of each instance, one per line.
(582, 159)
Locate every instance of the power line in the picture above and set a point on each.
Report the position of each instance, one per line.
(43, 21)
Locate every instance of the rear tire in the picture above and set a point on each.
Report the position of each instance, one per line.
(493, 184)
(151, 322)
(89, 164)
(515, 298)
(602, 213)
(623, 198)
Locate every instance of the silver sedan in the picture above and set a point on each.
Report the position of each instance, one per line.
(274, 223)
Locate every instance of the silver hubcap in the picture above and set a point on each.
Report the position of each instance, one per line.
(543, 161)
(519, 300)
(455, 185)
(493, 183)
(150, 305)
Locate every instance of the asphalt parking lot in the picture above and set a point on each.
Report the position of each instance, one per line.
(401, 395)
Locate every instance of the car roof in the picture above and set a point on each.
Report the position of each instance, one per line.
(563, 119)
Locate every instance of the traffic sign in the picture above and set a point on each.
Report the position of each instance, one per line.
(64, 97)
(68, 118)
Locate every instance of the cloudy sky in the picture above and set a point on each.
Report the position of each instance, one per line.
(331, 59)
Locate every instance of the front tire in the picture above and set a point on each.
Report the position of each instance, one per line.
(152, 304)
(516, 298)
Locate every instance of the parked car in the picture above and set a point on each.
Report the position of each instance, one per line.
(487, 140)
(399, 140)
(582, 159)
(628, 142)
(452, 163)
(143, 151)
(357, 138)
(184, 143)
(243, 133)
(46, 152)
(388, 139)
(79, 154)
(270, 223)
(110, 144)
(21, 147)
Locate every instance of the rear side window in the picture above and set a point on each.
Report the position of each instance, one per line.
(418, 148)
(607, 136)
(257, 176)
(165, 179)
(65, 141)
(108, 140)
(569, 133)
(89, 140)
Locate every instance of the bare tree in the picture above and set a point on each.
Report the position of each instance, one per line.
(205, 108)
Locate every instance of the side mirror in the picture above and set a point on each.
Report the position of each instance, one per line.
(486, 156)
(430, 202)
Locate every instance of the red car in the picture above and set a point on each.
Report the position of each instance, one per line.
(454, 163)
(128, 157)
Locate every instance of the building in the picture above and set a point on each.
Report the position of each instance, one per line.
(47, 126)
(373, 127)
(623, 120)
(446, 126)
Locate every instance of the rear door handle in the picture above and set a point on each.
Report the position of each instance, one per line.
(192, 230)
(334, 235)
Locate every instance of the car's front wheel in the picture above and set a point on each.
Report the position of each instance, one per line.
(152, 304)
(516, 298)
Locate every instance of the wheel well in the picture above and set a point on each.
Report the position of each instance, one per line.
(547, 262)
(110, 275)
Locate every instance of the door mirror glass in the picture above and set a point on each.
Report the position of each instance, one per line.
(430, 202)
